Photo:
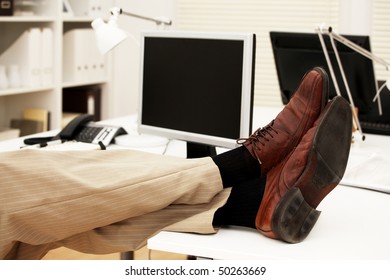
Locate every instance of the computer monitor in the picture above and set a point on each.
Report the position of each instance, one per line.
(296, 53)
(197, 87)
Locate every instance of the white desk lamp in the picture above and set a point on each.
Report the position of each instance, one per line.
(333, 36)
(109, 35)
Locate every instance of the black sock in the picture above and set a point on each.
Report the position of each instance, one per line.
(237, 166)
(242, 205)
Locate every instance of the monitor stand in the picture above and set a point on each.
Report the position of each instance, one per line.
(197, 150)
(140, 140)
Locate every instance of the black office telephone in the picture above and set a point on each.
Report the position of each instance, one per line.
(75, 127)
(83, 129)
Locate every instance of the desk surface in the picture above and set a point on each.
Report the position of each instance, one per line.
(354, 224)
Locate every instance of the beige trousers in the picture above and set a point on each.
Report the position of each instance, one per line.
(101, 201)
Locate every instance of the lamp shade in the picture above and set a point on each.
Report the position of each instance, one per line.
(108, 35)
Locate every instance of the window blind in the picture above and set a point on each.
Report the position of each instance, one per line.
(259, 17)
(380, 37)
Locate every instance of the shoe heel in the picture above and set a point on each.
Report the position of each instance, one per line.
(294, 218)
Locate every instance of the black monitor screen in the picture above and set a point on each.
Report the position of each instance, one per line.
(195, 86)
(296, 53)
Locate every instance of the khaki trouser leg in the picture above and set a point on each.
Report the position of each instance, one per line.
(100, 201)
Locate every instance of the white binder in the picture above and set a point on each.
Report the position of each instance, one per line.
(82, 60)
(47, 57)
(91, 8)
(26, 53)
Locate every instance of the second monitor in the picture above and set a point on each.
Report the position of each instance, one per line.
(295, 53)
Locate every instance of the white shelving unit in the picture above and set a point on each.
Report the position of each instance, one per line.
(14, 100)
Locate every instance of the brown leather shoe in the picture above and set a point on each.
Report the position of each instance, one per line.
(271, 144)
(296, 186)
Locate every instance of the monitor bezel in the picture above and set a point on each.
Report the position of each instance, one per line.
(247, 90)
(296, 41)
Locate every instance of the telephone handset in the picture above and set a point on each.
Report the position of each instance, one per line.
(83, 129)
(74, 127)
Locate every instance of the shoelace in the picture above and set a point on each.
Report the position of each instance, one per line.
(260, 134)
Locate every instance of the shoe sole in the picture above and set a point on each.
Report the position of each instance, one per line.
(324, 96)
(295, 215)
(325, 86)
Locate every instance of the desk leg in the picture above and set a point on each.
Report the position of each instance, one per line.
(127, 255)
(130, 256)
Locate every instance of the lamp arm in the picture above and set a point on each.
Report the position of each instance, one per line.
(334, 36)
(363, 52)
(358, 48)
(320, 32)
(158, 20)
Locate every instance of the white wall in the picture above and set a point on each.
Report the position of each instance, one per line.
(124, 89)
(355, 18)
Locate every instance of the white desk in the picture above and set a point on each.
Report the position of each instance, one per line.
(354, 224)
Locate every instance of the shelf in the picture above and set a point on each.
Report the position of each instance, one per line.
(78, 84)
(26, 19)
(15, 91)
(77, 19)
(20, 33)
